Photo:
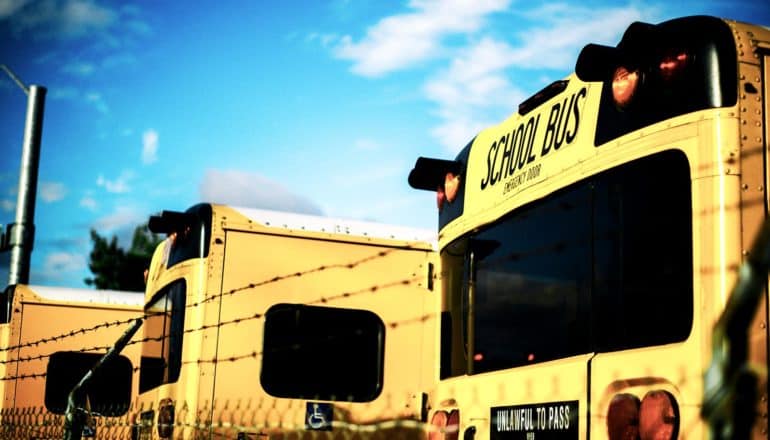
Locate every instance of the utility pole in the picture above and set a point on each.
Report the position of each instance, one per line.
(19, 236)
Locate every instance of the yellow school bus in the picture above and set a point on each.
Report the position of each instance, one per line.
(264, 324)
(589, 242)
(50, 337)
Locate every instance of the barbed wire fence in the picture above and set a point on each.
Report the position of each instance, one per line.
(236, 419)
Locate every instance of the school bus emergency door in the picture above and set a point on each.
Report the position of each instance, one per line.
(589, 242)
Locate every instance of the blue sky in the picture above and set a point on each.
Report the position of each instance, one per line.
(316, 107)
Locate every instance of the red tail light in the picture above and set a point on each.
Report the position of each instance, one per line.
(446, 426)
(451, 186)
(623, 417)
(673, 65)
(453, 425)
(438, 421)
(624, 86)
(440, 198)
(658, 416)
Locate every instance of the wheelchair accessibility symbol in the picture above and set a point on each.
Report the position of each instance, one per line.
(318, 416)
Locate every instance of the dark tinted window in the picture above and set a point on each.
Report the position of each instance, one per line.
(163, 332)
(109, 392)
(322, 353)
(532, 278)
(603, 265)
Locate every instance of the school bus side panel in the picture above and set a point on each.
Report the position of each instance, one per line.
(41, 328)
(262, 270)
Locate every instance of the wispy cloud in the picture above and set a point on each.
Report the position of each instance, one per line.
(79, 68)
(149, 146)
(477, 90)
(58, 263)
(403, 40)
(56, 18)
(122, 217)
(89, 203)
(96, 100)
(248, 190)
(119, 185)
(10, 7)
(91, 98)
(52, 191)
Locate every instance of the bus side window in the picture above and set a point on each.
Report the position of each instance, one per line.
(164, 331)
(109, 393)
(325, 353)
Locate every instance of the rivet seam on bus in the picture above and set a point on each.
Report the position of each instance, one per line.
(745, 186)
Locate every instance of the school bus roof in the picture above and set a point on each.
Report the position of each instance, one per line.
(231, 217)
(67, 294)
(313, 223)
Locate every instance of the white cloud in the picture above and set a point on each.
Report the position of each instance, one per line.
(57, 18)
(58, 263)
(63, 93)
(477, 86)
(95, 99)
(122, 217)
(239, 188)
(119, 186)
(52, 191)
(79, 69)
(88, 203)
(149, 146)
(401, 41)
(10, 7)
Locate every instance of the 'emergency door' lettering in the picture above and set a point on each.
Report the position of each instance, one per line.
(541, 421)
(514, 151)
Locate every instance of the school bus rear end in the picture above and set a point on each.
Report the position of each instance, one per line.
(592, 239)
(53, 337)
(293, 325)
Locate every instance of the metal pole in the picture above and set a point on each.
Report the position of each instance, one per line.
(21, 233)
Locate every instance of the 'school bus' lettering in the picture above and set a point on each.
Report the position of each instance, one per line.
(516, 149)
(594, 236)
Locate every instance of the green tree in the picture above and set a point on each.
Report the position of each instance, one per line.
(117, 269)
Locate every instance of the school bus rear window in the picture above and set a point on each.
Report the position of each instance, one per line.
(323, 353)
(604, 265)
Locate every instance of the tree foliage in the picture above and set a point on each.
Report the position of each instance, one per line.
(117, 269)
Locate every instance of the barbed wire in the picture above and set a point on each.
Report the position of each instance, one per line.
(108, 324)
(249, 317)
